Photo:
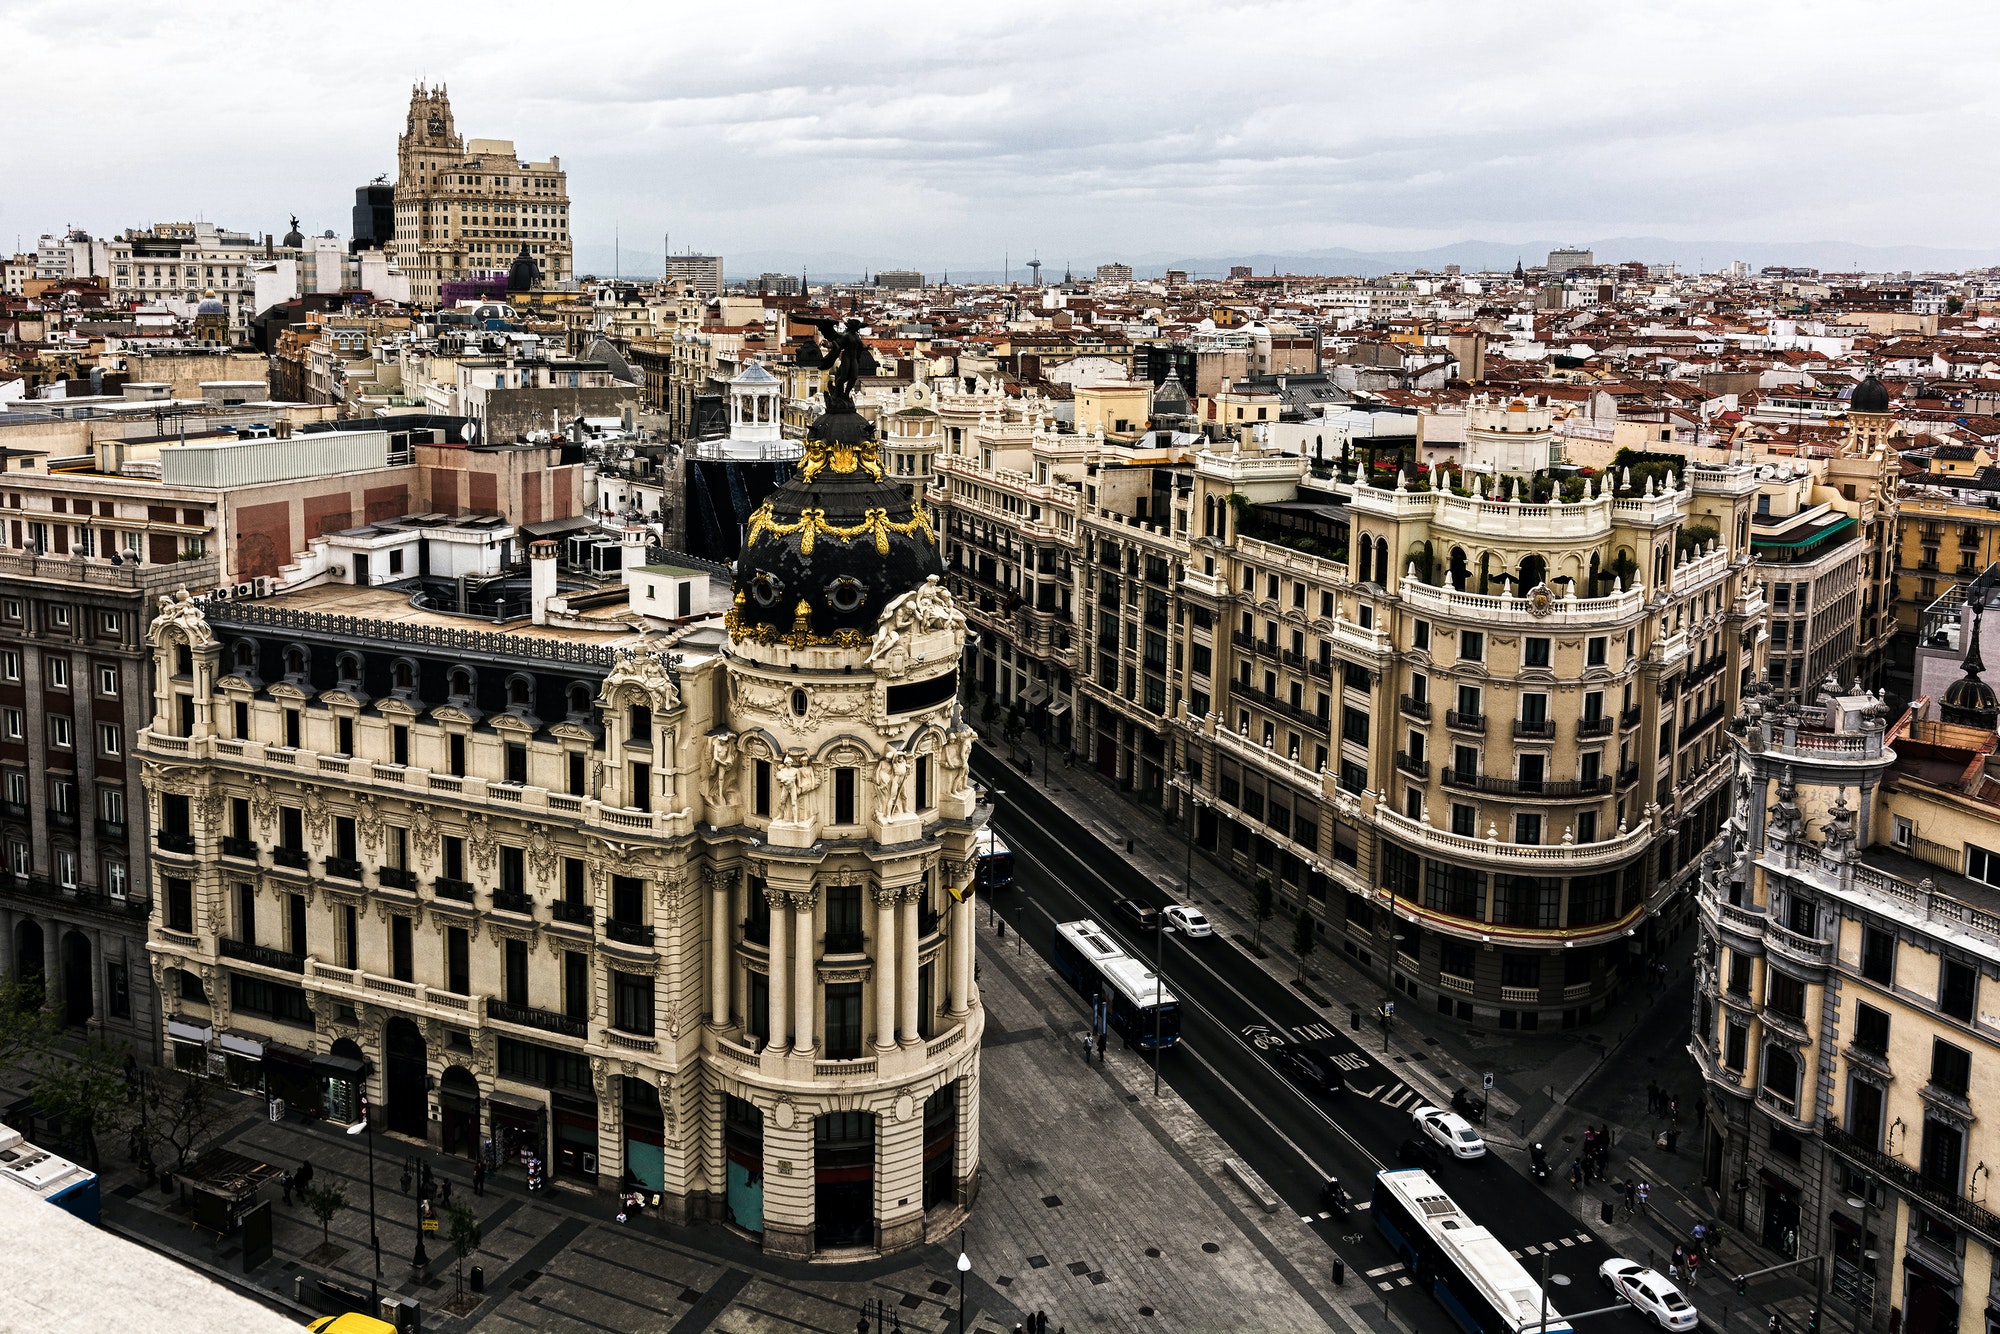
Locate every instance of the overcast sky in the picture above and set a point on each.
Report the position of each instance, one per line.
(938, 135)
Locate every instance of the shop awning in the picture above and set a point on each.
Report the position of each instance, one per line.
(241, 1045)
(516, 1100)
(180, 1030)
(343, 1067)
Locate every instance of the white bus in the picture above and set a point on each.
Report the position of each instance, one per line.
(1464, 1266)
(1143, 1011)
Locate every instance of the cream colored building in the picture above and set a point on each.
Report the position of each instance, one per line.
(468, 208)
(688, 914)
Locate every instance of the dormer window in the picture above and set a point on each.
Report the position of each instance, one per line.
(579, 700)
(245, 655)
(518, 692)
(461, 683)
(296, 662)
(403, 675)
(348, 669)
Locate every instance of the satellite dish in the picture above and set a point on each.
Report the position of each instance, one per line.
(466, 433)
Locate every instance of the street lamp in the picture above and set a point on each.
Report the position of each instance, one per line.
(964, 1267)
(1562, 1280)
(1863, 1275)
(367, 1124)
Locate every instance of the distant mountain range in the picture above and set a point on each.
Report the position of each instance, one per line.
(1472, 256)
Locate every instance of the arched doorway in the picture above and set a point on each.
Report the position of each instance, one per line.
(1456, 570)
(77, 1006)
(1534, 571)
(403, 1076)
(458, 1111)
(30, 956)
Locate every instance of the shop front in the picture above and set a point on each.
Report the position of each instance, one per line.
(343, 1077)
(458, 1112)
(743, 1156)
(520, 1131)
(645, 1137)
(576, 1137)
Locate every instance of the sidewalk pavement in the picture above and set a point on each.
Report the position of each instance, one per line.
(1106, 1207)
(1547, 1086)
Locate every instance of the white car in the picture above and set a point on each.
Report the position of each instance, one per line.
(1449, 1131)
(1657, 1299)
(1188, 921)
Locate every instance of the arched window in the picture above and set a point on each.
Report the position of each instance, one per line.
(296, 661)
(244, 653)
(348, 669)
(1382, 572)
(1367, 573)
(520, 690)
(580, 698)
(403, 675)
(461, 683)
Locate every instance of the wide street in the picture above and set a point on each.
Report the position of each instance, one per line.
(1232, 1011)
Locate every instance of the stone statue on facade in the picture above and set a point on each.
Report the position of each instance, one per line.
(722, 769)
(796, 779)
(892, 781)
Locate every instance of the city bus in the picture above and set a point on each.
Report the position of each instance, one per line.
(1142, 1010)
(57, 1180)
(1464, 1266)
(995, 869)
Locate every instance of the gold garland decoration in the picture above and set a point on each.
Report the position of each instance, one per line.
(812, 524)
(800, 635)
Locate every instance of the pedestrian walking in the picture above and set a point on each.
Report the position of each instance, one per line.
(478, 1176)
(1100, 1046)
(1776, 1326)
(404, 1183)
(1631, 1196)
(287, 1178)
(444, 1192)
(1652, 1096)
(1680, 1253)
(1645, 1193)
(1086, 1046)
(1700, 1235)
(1674, 1108)
(1576, 1173)
(1693, 1266)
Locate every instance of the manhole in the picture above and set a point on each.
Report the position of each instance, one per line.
(940, 1288)
(1211, 1248)
(1052, 1201)
(1038, 1262)
(1152, 1252)
(1146, 1311)
(1098, 1278)
(1079, 1268)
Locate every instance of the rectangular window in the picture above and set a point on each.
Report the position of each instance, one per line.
(1958, 985)
(402, 964)
(1736, 1046)
(295, 924)
(923, 777)
(576, 984)
(1951, 1067)
(399, 744)
(843, 1020)
(349, 942)
(1786, 995)
(180, 903)
(1871, 1029)
(632, 1002)
(107, 680)
(1420, 635)
(117, 991)
(514, 972)
(455, 753)
(1465, 820)
(762, 788)
(1596, 651)
(1535, 652)
(457, 961)
(60, 735)
(1527, 828)
(343, 736)
(246, 914)
(573, 884)
(642, 787)
(1471, 646)
(843, 796)
(628, 895)
(1878, 955)
(57, 673)
(454, 856)
(577, 770)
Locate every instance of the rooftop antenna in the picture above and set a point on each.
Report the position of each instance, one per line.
(616, 260)
(1036, 265)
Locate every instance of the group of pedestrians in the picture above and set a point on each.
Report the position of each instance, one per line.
(298, 1181)
(1596, 1157)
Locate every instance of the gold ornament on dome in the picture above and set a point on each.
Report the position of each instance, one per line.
(840, 457)
(799, 636)
(812, 523)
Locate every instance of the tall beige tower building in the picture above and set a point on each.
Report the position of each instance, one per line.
(466, 208)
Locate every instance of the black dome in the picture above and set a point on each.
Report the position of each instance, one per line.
(1871, 395)
(831, 547)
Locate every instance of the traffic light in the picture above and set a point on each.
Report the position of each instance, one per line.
(1741, 1285)
(1812, 1322)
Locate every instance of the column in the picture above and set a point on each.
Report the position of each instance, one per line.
(718, 952)
(885, 968)
(906, 971)
(804, 990)
(961, 957)
(780, 978)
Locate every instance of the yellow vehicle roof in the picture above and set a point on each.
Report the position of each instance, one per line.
(353, 1322)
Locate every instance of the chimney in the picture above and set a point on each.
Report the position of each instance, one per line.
(633, 544)
(541, 578)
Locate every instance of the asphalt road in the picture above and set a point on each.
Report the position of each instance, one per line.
(1232, 1014)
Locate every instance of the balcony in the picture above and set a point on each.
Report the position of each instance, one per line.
(1465, 722)
(844, 942)
(446, 887)
(1704, 722)
(14, 810)
(264, 956)
(513, 900)
(1321, 668)
(577, 914)
(1534, 729)
(172, 842)
(296, 858)
(1416, 708)
(527, 1016)
(1415, 768)
(1627, 776)
(1630, 717)
(628, 933)
(1590, 727)
(344, 868)
(239, 847)
(1800, 948)
(1526, 787)
(112, 830)
(397, 877)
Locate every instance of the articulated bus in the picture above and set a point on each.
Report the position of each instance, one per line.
(1460, 1263)
(1143, 1011)
(995, 869)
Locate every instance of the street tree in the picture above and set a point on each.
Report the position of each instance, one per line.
(1303, 941)
(84, 1090)
(27, 1026)
(1262, 908)
(325, 1199)
(189, 1115)
(462, 1230)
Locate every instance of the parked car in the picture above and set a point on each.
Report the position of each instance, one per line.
(1307, 1069)
(1188, 921)
(1420, 1153)
(1139, 916)
(1649, 1291)
(1450, 1132)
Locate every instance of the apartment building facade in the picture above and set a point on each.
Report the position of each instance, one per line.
(693, 918)
(1843, 1017)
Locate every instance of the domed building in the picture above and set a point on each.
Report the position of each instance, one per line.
(523, 275)
(1969, 701)
(211, 320)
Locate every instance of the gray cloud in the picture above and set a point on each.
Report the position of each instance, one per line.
(910, 134)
